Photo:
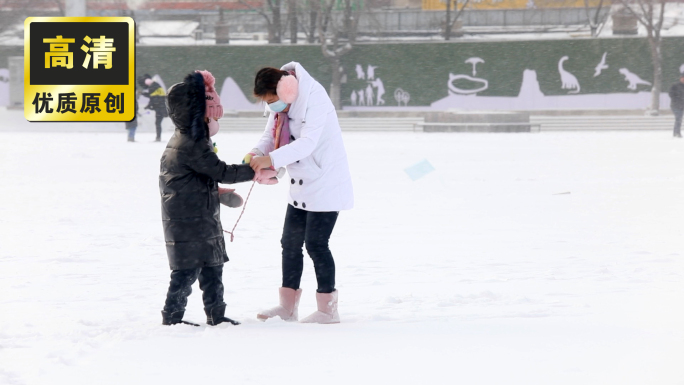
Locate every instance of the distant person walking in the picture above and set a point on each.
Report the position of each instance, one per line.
(157, 101)
(133, 124)
(677, 104)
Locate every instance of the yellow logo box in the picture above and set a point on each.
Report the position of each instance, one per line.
(79, 69)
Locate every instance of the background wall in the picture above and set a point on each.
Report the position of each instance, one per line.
(423, 70)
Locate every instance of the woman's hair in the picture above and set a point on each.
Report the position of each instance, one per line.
(266, 81)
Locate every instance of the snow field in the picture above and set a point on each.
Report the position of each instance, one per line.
(523, 259)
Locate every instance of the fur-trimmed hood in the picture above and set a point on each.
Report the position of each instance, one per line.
(186, 103)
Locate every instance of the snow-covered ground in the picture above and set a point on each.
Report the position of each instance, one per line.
(552, 258)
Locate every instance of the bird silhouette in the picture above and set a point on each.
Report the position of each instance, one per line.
(601, 66)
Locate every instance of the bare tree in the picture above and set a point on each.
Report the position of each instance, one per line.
(272, 13)
(449, 23)
(596, 21)
(307, 17)
(337, 38)
(651, 14)
(292, 20)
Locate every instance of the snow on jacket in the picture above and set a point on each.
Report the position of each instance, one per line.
(188, 182)
(316, 159)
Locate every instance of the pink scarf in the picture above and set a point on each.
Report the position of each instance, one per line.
(281, 130)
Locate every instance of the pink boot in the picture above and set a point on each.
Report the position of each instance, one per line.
(327, 310)
(287, 310)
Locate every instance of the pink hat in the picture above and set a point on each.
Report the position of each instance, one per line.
(214, 109)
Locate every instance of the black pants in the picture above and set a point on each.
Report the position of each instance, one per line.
(678, 112)
(180, 287)
(158, 117)
(313, 229)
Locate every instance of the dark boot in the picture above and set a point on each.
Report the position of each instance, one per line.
(174, 318)
(216, 316)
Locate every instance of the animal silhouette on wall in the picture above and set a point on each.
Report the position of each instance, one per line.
(633, 79)
(601, 66)
(568, 80)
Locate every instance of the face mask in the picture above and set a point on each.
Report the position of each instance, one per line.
(213, 127)
(277, 106)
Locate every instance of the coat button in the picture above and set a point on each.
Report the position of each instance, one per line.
(292, 137)
(301, 182)
(297, 161)
(303, 205)
(292, 181)
(295, 203)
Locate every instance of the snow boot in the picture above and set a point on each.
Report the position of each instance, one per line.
(327, 310)
(175, 318)
(287, 310)
(216, 316)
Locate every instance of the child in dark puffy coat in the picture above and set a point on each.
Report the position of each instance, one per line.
(188, 182)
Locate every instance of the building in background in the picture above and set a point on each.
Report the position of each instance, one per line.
(435, 5)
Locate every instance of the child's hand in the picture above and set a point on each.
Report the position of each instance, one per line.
(228, 197)
(266, 176)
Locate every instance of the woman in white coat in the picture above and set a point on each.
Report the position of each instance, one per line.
(303, 135)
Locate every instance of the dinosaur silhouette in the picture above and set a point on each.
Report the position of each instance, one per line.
(633, 79)
(568, 80)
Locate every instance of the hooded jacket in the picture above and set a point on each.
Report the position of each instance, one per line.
(188, 182)
(157, 99)
(677, 96)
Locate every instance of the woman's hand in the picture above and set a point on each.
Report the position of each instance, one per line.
(266, 176)
(259, 162)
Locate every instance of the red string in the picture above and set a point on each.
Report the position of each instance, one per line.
(242, 212)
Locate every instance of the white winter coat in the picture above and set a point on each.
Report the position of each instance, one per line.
(316, 160)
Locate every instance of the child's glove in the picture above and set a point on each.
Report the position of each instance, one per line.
(248, 158)
(228, 197)
(266, 176)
